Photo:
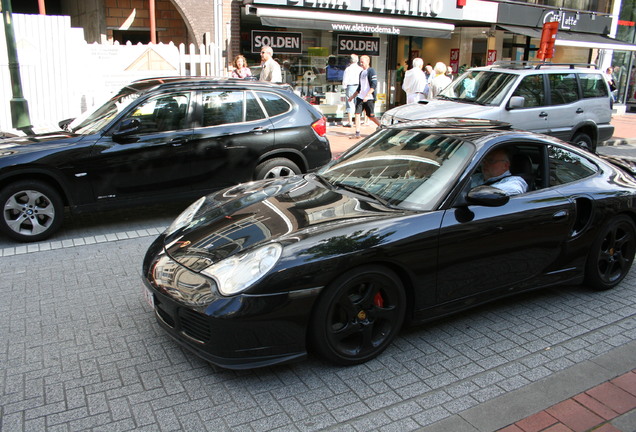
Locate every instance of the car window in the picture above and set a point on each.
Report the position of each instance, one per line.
(593, 85)
(407, 168)
(566, 166)
(162, 113)
(481, 87)
(532, 90)
(253, 110)
(563, 88)
(273, 103)
(222, 107)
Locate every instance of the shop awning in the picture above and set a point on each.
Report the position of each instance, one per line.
(581, 40)
(296, 18)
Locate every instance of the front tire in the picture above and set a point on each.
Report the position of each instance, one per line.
(31, 211)
(611, 254)
(277, 167)
(358, 316)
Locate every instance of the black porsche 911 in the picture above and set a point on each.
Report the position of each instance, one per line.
(392, 232)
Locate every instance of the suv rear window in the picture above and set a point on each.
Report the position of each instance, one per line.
(273, 103)
(593, 85)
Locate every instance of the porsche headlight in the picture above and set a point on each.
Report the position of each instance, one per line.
(186, 216)
(180, 283)
(237, 273)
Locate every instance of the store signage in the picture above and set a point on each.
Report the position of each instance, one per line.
(281, 42)
(446, 9)
(361, 45)
(566, 20)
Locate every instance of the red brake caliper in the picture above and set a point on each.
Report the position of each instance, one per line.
(378, 300)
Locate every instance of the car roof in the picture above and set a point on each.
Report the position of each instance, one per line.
(477, 131)
(454, 125)
(533, 67)
(193, 82)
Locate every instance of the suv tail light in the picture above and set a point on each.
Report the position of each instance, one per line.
(320, 126)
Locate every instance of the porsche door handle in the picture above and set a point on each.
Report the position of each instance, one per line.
(561, 214)
(177, 142)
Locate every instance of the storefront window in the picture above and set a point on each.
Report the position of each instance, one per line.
(315, 66)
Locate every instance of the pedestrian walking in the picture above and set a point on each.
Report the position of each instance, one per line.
(240, 67)
(415, 82)
(270, 69)
(365, 94)
(439, 82)
(350, 82)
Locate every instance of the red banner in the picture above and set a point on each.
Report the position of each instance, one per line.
(454, 59)
(491, 57)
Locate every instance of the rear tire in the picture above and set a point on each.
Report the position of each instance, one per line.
(277, 167)
(31, 211)
(611, 254)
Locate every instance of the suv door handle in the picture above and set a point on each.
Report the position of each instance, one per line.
(543, 114)
(579, 111)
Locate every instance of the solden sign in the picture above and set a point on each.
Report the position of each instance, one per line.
(361, 45)
(281, 42)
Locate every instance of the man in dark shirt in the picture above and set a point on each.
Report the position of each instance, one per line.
(365, 95)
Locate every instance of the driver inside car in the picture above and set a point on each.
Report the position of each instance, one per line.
(495, 172)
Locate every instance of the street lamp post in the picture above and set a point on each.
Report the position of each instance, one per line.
(19, 106)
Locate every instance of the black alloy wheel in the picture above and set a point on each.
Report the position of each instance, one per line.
(611, 254)
(31, 211)
(358, 316)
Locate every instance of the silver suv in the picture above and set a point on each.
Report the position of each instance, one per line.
(568, 101)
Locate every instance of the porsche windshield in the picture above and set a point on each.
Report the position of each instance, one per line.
(409, 169)
(92, 121)
(480, 87)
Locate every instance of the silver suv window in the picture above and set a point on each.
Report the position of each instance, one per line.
(563, 88)
(532, 90)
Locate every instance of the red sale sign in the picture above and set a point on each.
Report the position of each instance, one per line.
(454, 59)
(491, 57)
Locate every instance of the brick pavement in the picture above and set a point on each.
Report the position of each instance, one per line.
(80, 350)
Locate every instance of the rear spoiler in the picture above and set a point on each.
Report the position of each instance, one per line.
(627, 165)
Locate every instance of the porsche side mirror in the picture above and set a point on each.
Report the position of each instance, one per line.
(487, 196)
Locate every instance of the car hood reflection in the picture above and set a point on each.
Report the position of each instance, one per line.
(23, 144)
(285, 210)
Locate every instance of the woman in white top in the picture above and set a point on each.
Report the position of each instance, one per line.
(439, 82)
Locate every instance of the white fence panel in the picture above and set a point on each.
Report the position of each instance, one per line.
(200, 61)
(62, 75)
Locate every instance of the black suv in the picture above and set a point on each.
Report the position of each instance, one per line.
(157, 140)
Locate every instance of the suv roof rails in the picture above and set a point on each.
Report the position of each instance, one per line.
(527, 64)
